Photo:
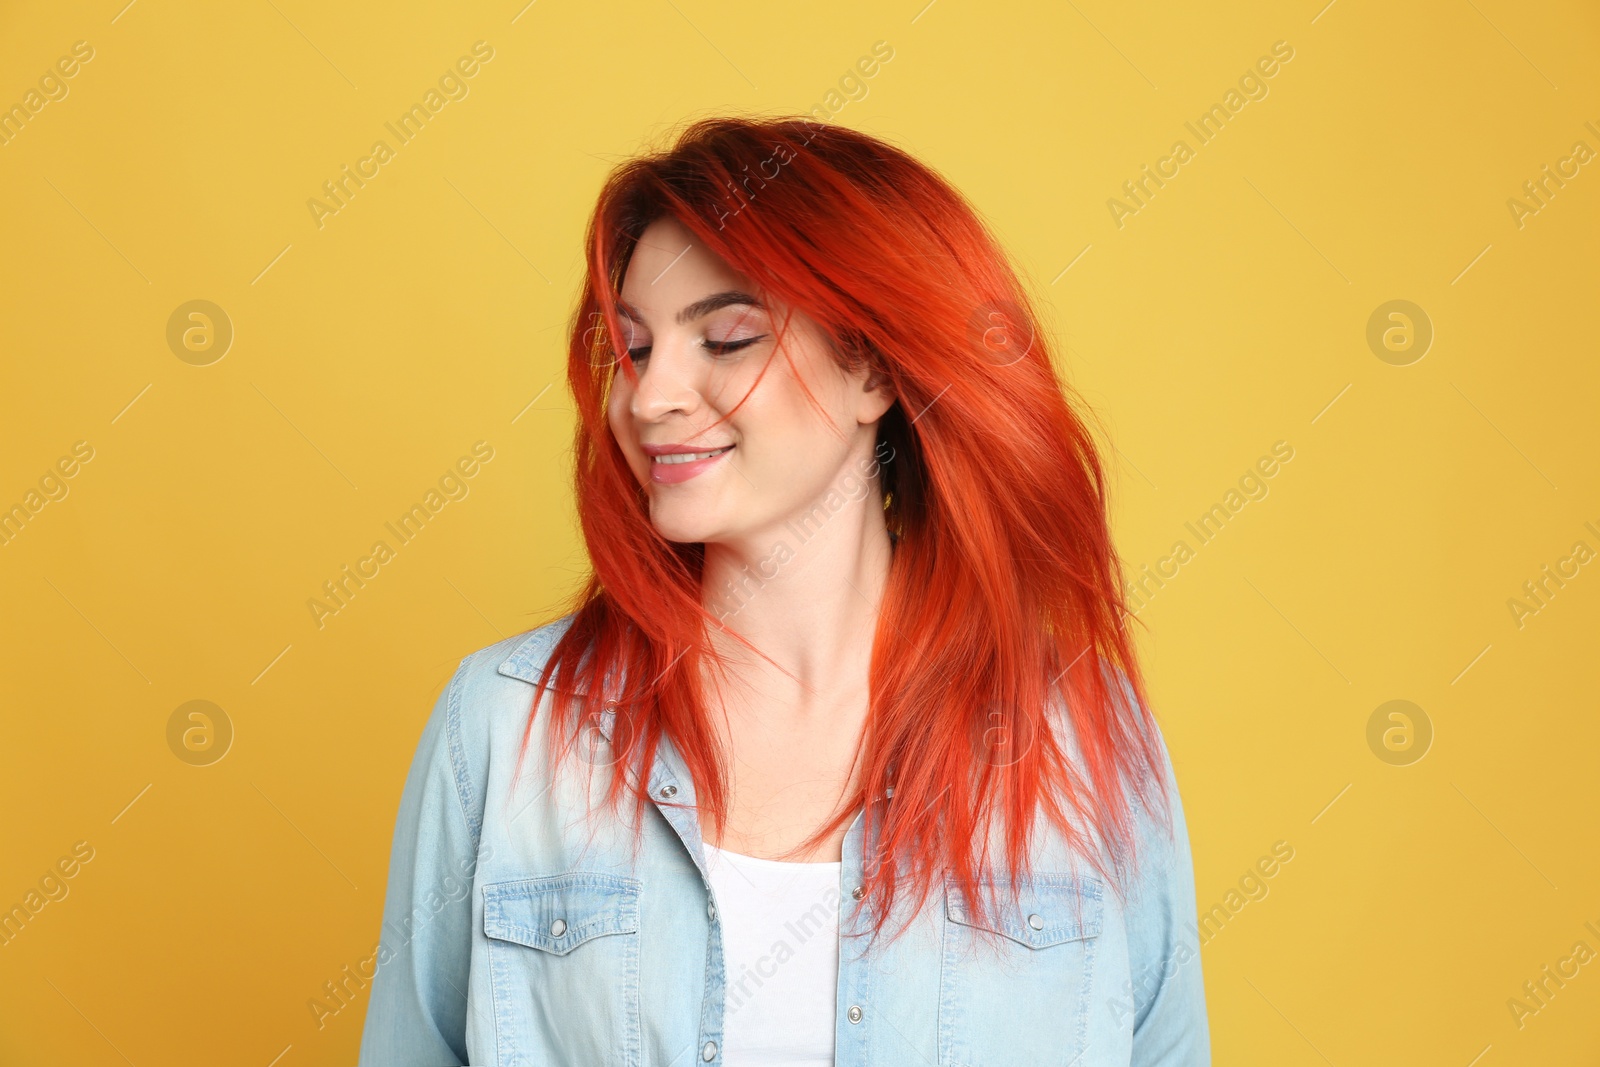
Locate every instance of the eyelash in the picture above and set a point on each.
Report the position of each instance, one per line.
(719, 348)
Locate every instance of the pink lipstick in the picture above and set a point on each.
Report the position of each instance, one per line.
(672, 464)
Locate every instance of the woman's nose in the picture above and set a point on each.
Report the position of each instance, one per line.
(668, 383)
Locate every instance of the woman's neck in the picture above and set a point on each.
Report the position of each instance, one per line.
(807, 595)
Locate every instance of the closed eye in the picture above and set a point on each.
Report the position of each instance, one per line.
(719, 348)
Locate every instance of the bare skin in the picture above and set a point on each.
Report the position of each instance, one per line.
(790, 739)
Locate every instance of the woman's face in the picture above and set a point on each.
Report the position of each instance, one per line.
(699, 335)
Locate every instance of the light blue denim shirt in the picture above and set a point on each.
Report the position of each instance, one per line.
(521, 930)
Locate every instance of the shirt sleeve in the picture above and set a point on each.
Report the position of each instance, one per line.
(417, 1013)
(1170, 1027)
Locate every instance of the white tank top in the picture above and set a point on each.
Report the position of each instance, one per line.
(780, 943)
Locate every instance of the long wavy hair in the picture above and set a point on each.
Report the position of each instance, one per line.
(1004, 603)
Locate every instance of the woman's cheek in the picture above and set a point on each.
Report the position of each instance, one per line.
(621, 429)
(617, 411)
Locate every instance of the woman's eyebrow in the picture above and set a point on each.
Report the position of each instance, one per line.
(701, 307)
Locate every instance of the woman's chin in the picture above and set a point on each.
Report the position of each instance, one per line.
(684, 529)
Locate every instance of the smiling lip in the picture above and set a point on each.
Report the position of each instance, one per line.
(676, 450)
(671, 464)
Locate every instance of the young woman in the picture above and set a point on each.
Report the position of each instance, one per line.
(842, 755)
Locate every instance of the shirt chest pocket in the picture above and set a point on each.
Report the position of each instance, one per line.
(1014, 984)
(563, 956)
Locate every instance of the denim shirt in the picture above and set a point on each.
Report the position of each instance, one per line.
(522, 930)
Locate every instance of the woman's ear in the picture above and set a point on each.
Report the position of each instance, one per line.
(877, 396)
(877, 392)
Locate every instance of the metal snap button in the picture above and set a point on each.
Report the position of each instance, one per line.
(558, 928)
(669, 790)
(1036, 922)
(854, 1013)
(858, 892)
(709, 1053)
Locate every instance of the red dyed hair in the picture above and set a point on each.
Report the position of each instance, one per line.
(1004, 593)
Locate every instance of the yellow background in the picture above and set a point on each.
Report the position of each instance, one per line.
(369, 354)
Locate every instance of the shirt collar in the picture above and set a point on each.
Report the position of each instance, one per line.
(528, 658)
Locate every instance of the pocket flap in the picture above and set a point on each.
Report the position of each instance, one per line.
(561, 912)
(1051, 909)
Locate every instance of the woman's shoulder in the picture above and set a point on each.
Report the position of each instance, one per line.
(1148, 783)
(481, 715)
(491, 689)
(520, 656)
